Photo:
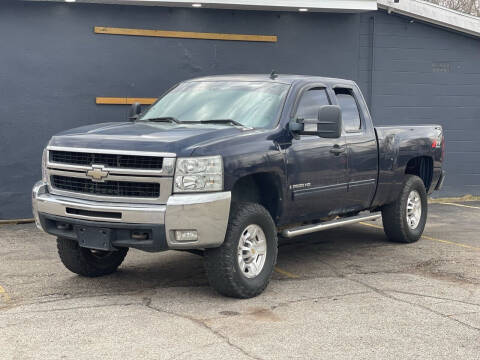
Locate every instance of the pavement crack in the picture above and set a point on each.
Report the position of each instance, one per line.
(77, 308)
(176, 356)
(68, 297)
(388, 296)
(298, 301)
(147, 302)
(391, 297)
(433, 297)
(463, 313)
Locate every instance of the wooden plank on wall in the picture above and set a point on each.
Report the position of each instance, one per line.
(184, 34)
(124, 100)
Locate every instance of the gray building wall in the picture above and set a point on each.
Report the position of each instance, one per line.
(424, 74)
(52, 66)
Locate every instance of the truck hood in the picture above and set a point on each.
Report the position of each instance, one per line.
(180, 139)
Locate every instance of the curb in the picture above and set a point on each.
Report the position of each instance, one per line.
(16, 221)
(465, 198)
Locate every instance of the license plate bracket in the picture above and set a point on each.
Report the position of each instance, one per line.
(94, 238)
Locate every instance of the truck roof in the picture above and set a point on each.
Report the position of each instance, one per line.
(280, 78)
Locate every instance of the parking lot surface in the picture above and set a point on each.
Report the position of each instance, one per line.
(345, 293)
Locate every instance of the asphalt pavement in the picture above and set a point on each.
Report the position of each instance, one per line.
(344, 293)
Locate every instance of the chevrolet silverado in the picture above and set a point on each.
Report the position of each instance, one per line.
(224, 165)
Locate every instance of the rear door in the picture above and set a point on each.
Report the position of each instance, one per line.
(316, 167)
(362, 153)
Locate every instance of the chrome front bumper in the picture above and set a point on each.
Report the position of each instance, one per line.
(206, 213)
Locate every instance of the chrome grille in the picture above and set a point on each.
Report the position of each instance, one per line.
(107, 188)
(110, 160)
(137, 177)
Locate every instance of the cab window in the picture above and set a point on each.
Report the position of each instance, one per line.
(350, 113)
(309, 103)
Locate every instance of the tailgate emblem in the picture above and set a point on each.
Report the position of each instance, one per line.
(97, 173)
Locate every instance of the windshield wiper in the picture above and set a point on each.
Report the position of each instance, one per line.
(164, 119)
(222, 121)
(210, 121)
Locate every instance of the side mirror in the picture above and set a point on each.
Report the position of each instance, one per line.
(135, 110)
(328, 123)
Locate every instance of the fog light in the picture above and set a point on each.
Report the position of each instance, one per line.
(186, 235)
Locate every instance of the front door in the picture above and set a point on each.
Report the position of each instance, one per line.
(361, 149)
(316, 167)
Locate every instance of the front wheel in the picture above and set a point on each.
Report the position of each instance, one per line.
(404, 220)
(242, 266)
(89, 262)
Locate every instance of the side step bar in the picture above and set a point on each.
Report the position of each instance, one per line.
(307, 229)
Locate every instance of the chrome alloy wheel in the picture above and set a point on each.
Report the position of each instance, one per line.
(414, 209)
(252, 251)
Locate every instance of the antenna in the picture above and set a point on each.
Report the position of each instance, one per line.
(273, 75)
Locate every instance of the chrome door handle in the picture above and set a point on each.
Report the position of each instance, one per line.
(337, 149)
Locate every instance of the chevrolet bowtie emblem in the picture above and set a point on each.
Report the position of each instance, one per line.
(97, 173)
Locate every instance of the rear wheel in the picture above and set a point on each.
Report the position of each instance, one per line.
(89, 262)
(242, 266)
(404, 220)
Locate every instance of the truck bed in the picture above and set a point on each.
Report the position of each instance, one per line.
(400, 145)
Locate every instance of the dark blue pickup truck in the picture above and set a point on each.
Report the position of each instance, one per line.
(223, 165)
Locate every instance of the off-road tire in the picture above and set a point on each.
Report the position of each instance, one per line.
(394, 215)
(221, 263)
(84, 262)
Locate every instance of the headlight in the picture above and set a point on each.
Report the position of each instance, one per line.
(199, 174)
(44, 165)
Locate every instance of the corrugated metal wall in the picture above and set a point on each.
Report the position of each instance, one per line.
(52, 67)
(424, 74)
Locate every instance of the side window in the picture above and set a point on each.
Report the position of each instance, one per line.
(350, 114)
(309, 103)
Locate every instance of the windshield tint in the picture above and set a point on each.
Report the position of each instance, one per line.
(252, 104)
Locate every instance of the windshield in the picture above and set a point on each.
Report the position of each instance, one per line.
(252, 104)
